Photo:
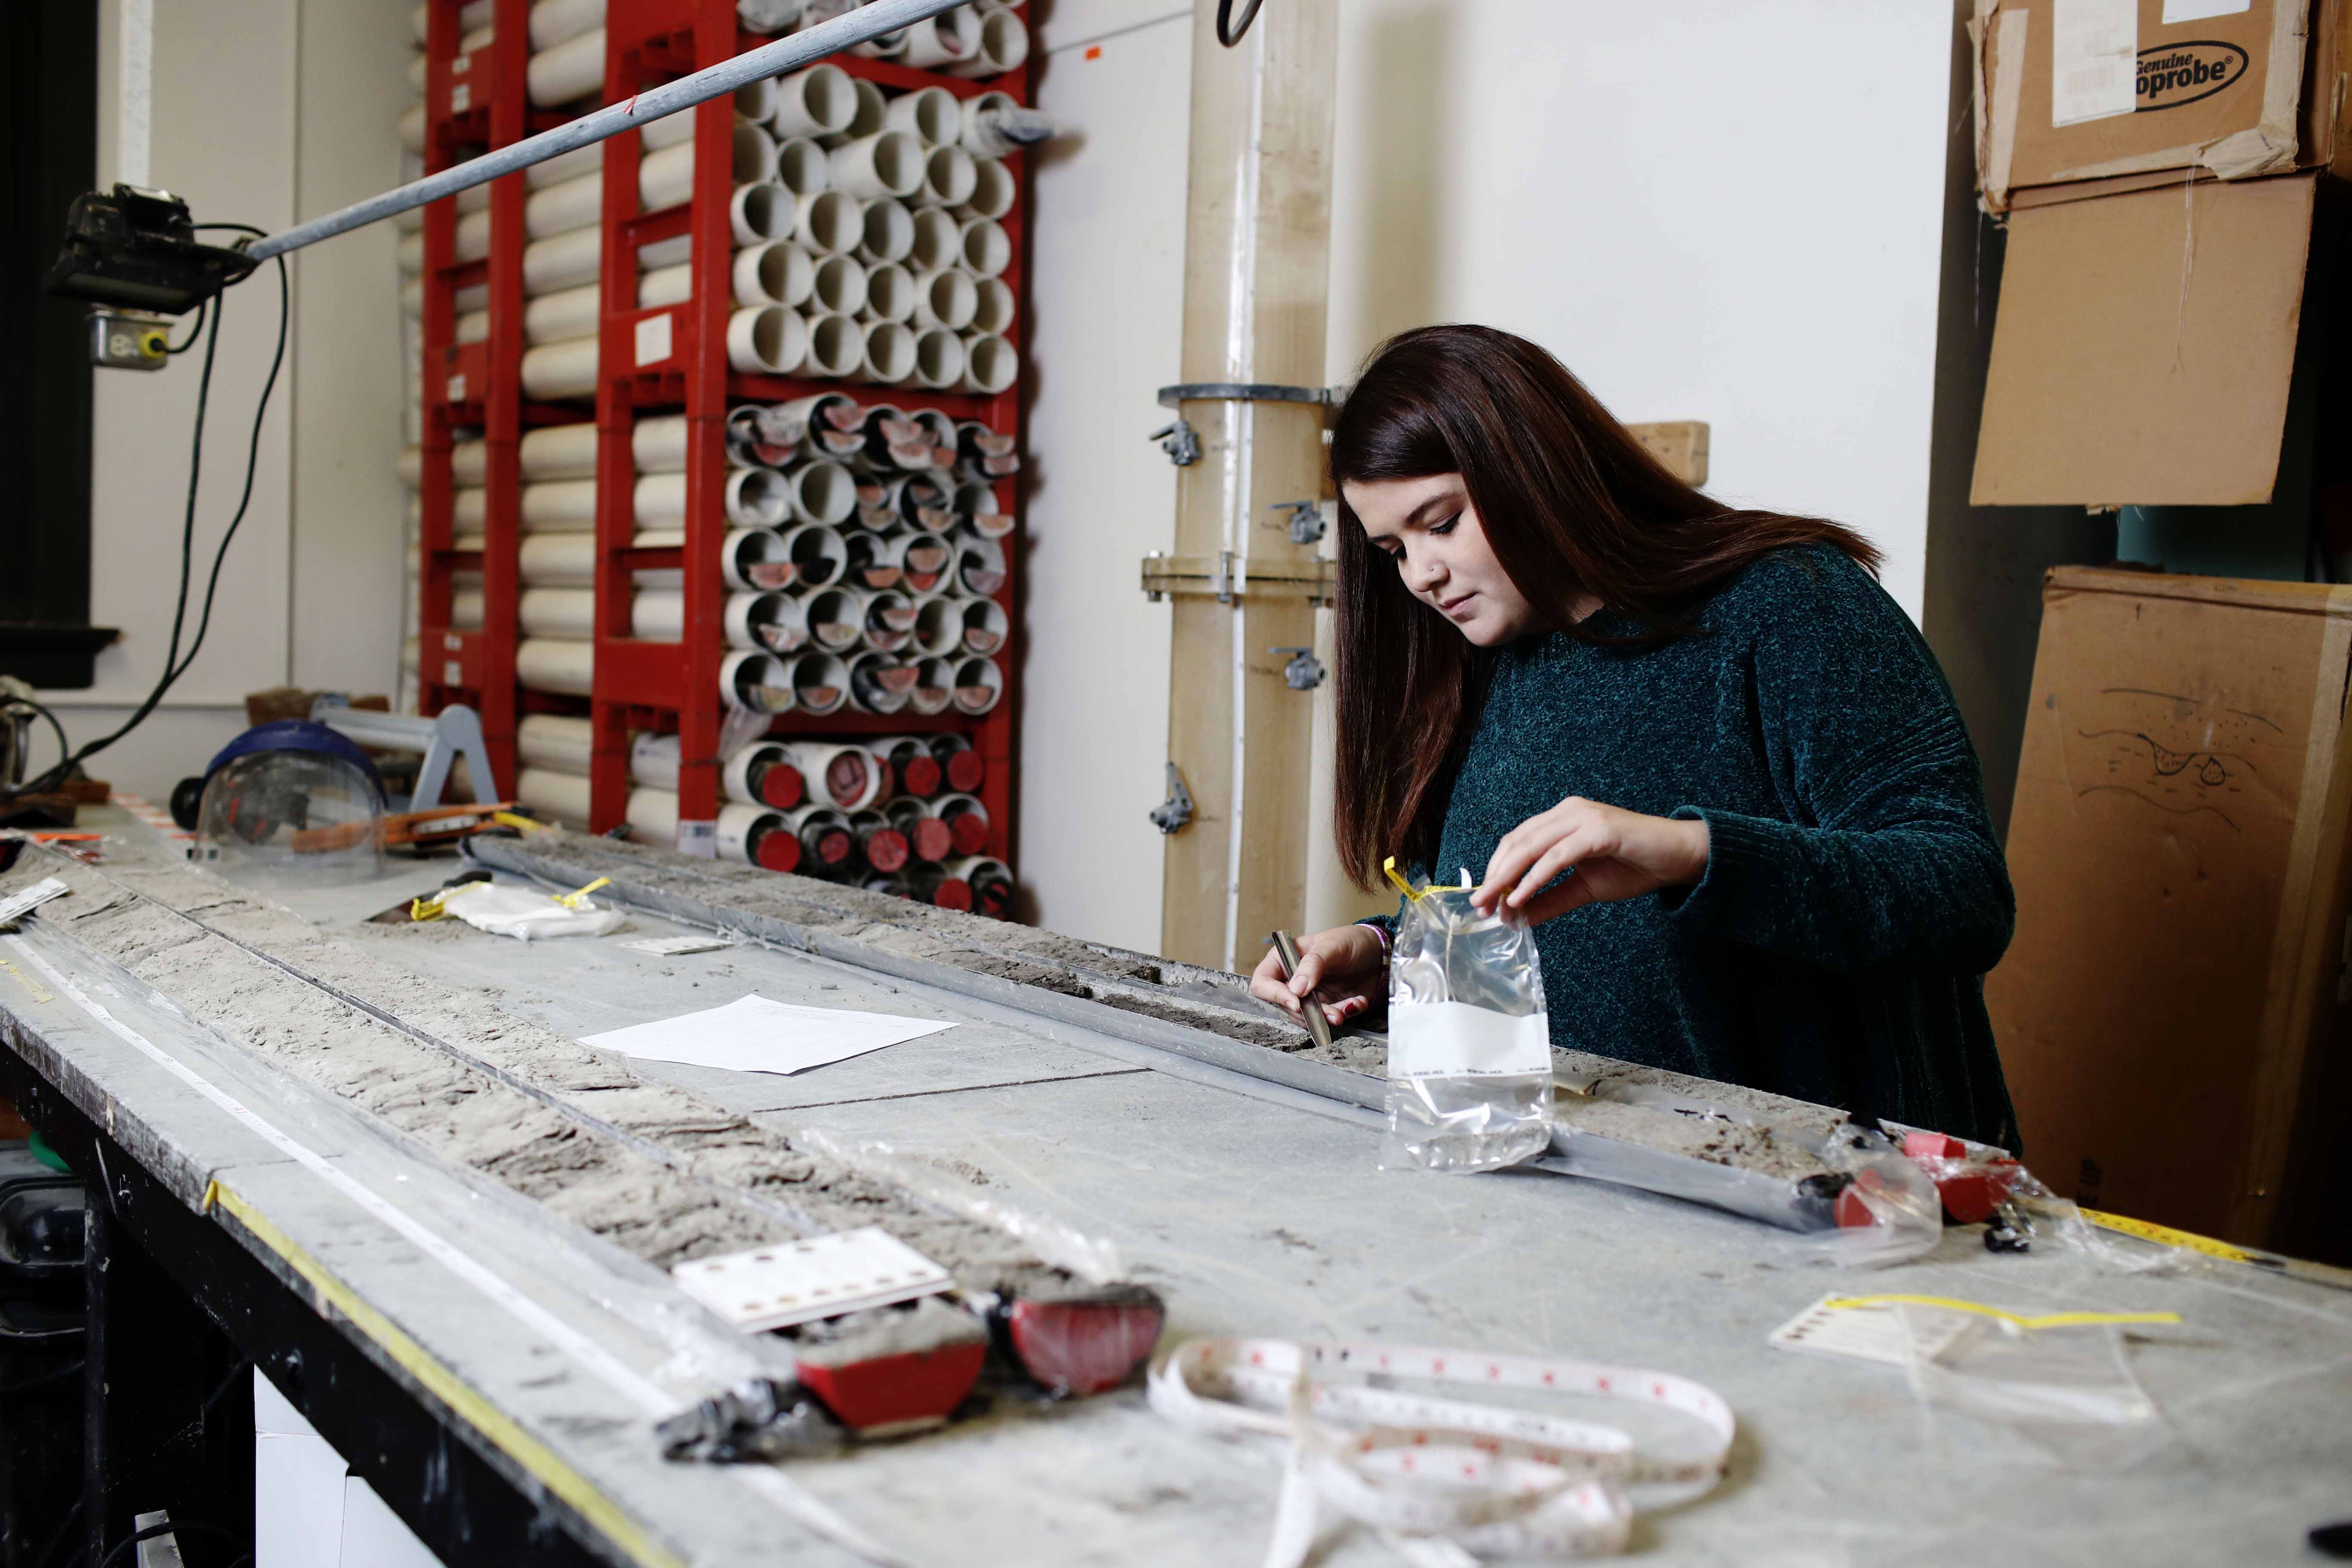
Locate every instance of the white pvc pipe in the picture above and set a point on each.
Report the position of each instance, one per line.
(992, 306)
(468, 608)
(802, 166)
(555, 664)
(756, 682)
(757, 497)
(889, 356)
(670, 252)
(836, 619)
(776, 622)
(845, 776)
(890, 620)
(990, 363)
(943, 42)
(556, 741)
(760, 773)
(939, 238)
(889, 232)
(838, 286)
(923, 560)
(978, 138)
(775, 273)
(558, 561)
(577, 203)
(763, 210)
(934, 689)
(829, 222)
(992, 190)
(572, 68)
(561, 167)
(469, 509)
(666, 178)
(890, 291)
(767, 338)
(473, 241)
(984, 626)
(658, 501)
(947, 298)
(818, 101)
(975, 508)
(565, 261)
(887, 163)
(865, 122)
(938, 625)
(557, 612)
(939, 359)
(818, 555)
(756, 560)
(561, 370)
(473, 327)
(554, 22)
(836, 347)
(1003, 46)
(652, 816)
(665, 286)
(821, 492)
(561, 316)
(412, 139)
(983, 249)
(558, 452)
(552, 796)
(929, 113)
(653, 760)
(949, 176)
(657, 446)
(879, 682)
(559, 506)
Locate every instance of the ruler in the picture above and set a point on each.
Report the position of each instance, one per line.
(2165, 1236)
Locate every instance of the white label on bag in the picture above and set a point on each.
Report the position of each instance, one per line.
(2094, 57)
(1453, 1039)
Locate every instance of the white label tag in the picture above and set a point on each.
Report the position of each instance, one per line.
(458, 388)
(653, 339)
(461, 98)
(700, 840)
(24, 904)
(672, 946)
(798, 1281)
(461, 64)
(2094, 59)
(452, 673)
(1453, 1039)
(2197, 10)
(1874, 1333)
(452, 643)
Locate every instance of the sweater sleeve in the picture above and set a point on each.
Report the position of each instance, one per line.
(1890, 860)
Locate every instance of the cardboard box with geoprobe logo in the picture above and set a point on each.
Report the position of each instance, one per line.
(2129, 92)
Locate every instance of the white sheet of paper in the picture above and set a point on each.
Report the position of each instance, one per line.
(755, 1034)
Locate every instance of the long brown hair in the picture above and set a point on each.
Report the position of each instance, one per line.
(1571, 504)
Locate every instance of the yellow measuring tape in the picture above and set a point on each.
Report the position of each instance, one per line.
(2165, 1236)
(2047, 1321)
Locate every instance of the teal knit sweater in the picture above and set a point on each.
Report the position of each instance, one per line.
(1854, 894)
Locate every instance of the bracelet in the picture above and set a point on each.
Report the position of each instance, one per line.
(1382, 932)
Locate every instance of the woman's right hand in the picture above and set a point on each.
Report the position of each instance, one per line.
(1344, 969)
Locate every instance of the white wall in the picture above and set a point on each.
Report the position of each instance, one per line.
(263, 111)
(1719, 209)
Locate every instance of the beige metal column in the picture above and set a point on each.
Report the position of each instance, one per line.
(1256, 272)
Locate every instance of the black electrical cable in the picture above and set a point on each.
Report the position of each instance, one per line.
(55, 727)
(174, 665)
(1227, 32)
(55, 1374)
(203, 309)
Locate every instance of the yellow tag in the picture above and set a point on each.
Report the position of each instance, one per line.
(517, 820)
(2165, 1236)
(2048, 1320)
(426, 910)
(1388, 868)
(578, 896)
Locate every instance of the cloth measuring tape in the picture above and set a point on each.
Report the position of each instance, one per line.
(1440, 1480)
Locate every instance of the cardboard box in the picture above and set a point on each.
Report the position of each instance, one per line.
(2144, 347)
(2103, 89)
(2179, 848)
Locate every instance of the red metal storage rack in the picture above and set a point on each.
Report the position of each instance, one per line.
(642, 685)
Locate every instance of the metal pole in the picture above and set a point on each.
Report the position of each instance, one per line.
(868, 21)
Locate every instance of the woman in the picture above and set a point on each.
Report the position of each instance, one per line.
(1700, 748)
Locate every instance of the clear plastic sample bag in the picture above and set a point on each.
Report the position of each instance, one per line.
(1469, 1041)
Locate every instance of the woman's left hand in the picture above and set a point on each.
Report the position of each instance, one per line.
(1615, 855)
